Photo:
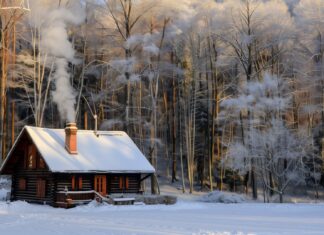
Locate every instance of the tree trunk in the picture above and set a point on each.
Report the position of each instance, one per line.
(86, 120)
(12, 123)
(3, 98)
(281, 197)
(254, 184)
(180, 141)
(174, 156)
(154, 185)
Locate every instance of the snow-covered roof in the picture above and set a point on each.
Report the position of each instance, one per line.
(108, 151)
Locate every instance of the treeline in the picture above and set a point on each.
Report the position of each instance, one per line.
(219, 94)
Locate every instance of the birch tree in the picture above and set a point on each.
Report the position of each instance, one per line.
(11, 13)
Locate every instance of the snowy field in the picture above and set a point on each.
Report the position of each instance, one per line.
(185, 217)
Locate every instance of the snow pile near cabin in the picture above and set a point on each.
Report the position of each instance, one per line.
(222, 197)
(3, 194)
(5, 185)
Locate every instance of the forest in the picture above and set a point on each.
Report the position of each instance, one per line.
(218, 94)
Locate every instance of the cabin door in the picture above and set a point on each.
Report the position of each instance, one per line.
(40, 189)
(100, 183)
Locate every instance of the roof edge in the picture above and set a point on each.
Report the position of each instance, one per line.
(102, 172)
(79, 130)
(12, 149)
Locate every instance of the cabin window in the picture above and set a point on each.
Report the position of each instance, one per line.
(31, 158)
(77, 183)
(126, 183)
(80, 182)
(100, 184)
(41, 188)
(123, 182)
(41, 163)
(22, 184)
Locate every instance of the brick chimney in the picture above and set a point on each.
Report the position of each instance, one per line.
(71, 138)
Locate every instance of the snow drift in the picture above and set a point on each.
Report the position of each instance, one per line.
(222, 197)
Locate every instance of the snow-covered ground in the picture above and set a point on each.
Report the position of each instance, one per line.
(185, 217)
(193, 214)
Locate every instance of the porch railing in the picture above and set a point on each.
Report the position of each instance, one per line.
(70, 198)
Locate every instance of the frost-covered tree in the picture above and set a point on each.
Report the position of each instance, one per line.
(279, 156)
(309, 60)
(256, 42)
(276, 153)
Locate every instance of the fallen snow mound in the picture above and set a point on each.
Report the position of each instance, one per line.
(5, 185)
(3, 194)
(222, 197)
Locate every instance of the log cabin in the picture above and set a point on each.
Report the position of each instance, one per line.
(63, 167)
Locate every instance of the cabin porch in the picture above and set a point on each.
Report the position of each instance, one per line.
(78, 188)
(68, 199)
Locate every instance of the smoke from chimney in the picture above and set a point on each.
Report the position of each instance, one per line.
(64, 95)
(52, 22)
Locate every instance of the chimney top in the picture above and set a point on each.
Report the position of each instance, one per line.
(70, 124)
(71, 137)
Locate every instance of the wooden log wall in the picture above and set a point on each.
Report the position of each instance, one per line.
(124, 183)
(63, 180)
(31, 177)
(113, 182)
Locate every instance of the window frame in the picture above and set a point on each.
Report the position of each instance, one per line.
(41, 162)
(31, 157)
(76, 183)
(123, 182)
